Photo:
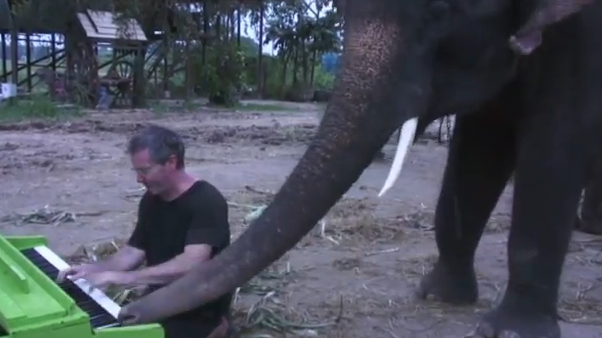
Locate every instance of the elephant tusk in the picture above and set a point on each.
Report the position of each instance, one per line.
(405, 141)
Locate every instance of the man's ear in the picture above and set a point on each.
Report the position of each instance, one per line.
(541, 13)
(172, 161)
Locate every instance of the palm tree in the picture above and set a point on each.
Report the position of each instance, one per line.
(302, 35)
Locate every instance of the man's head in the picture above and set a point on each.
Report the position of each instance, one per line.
(157, 155)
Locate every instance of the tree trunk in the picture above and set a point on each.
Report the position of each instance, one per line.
(304, 65)
(285, 60)
(261, 85)
(238, 23)
(296, 66)
(314, 58)
(139, 83)
(205, 33)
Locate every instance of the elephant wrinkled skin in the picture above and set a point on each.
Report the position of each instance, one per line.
(535, 113)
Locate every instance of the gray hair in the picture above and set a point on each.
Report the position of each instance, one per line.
(160, 142)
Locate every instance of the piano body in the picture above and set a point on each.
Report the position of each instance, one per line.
(33, 305)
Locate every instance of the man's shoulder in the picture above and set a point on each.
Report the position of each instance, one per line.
(203, 191)
(207, 202)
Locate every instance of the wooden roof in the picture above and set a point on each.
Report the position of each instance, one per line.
(100, 26)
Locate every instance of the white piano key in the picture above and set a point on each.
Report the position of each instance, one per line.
(100, 297)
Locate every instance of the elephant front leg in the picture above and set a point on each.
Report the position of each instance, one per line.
(550, 171)
(480, 161)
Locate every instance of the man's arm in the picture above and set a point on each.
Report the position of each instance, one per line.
(173, 269)
(132, 255)
(208, 229)
(125, 259)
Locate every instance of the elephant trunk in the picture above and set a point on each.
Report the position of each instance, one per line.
(383, 82)
(361, 115)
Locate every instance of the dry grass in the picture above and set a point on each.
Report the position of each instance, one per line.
(46, 215)
(270, 314)
(99, 252)
(579, 308)
(576, 306)
(417, 267)
(351, 221)
(498, 223)
(261, 308)
(356, 222)
(267, 314)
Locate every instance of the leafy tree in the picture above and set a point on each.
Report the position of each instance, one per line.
(302, 32)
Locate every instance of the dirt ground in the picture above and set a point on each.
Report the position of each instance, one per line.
(362, 269)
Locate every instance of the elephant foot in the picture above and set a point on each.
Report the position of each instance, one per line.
(589, 227)
(515, 322)
(449, 285)
(379, 156)
(577, 223)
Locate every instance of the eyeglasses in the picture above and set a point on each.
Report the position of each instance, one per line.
(145, 170)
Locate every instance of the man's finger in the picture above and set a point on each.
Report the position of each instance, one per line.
(94, 285)
(129, 321)
(62, 274)
(77, 275)
(126, 318)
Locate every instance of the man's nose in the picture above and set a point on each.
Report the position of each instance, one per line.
(139, 178)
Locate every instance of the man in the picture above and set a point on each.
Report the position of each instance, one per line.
(181, 223)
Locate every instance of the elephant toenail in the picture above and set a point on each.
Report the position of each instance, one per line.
(486, 331)
(432, 298)
(509, 334)
(473, 334)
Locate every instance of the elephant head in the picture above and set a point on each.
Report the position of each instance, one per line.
(402, 61)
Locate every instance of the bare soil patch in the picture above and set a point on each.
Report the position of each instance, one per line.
(352, 276)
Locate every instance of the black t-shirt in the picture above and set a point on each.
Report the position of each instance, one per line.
(164, 228)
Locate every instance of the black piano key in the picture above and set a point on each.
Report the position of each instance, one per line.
(100, 321)
(98, 315)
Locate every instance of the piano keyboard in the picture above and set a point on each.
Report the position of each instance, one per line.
(102, 310)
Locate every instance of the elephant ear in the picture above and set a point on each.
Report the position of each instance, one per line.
(546, 12)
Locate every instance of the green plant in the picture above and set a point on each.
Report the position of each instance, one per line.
(323, 80)
(36, 107)
(222, 77)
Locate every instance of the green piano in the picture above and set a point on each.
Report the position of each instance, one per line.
(33, 305)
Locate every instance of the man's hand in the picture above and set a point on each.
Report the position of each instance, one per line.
(130, 315)
(77, 272)
(104, 279)
(145, 312)
(126, 259)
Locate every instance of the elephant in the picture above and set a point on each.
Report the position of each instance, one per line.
(443, 134)
(590, 219)
(523, 79)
